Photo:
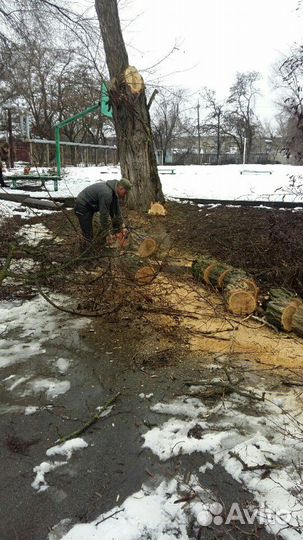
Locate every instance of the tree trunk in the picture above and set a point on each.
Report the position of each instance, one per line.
(202, 267)
(130, 114)
(240, 292)
(297, 321)
(281, 309)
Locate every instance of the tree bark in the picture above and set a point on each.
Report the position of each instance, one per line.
(282, 308)
(130, 114)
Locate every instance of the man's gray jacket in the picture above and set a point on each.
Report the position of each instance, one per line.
(102, 197)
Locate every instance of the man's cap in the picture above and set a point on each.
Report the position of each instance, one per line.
(125, 183)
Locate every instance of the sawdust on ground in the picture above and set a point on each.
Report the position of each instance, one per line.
(209, 328)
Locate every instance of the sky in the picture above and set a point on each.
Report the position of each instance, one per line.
(214, 40)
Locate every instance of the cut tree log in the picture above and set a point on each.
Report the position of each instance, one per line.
(239, 279)
(282, 308)
(202, 268)
(157, 209)
(147, 248)
(297, 321)
(145, 275)
(137, 270)
(218, 274)
(240, 292)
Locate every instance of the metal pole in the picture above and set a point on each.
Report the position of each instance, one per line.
(58, 157)
(199, 138)
(31, 152)
(218, 138)
(244, 150)
(47, 155)
(10, 138)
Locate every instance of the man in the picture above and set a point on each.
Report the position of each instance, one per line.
(102, 197)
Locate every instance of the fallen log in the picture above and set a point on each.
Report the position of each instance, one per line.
(240, 291)
(218, 274)
(42, 203)
(235, 277)
(297, 321)
(147, 248)
(281, 310)
(240, 294)
(202, 268)
(12, 197)
(145, 275)
(32, 202)
(138, 270)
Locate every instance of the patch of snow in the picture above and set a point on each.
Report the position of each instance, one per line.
(28, 325)
(246, 446)
(182, 406)
(66, 449)
(195, 181)
(34, 233)
(206, 467)
(150, 513)
(62, 364)
(41, 470)
(52, 387)
(30, 409)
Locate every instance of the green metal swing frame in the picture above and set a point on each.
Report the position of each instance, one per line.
(103, 106)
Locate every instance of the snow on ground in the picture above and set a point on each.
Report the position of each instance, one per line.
(151, 513)
(230, 182)
(260, 448)
(66, 450)
(26, 328)
(33, 234)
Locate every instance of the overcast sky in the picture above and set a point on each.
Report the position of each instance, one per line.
(215, 39)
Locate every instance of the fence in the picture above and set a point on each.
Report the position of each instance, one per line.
(225, 159)
(42, 153)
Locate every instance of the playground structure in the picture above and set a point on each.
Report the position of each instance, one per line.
(84, 149)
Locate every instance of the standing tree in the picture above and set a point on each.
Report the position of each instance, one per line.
(130, 112)
(167, 124)
(290, 80)
(240, 121)
(213, 119)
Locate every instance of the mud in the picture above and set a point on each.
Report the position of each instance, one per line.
(103, 362)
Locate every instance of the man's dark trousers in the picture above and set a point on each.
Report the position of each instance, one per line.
(85, 217)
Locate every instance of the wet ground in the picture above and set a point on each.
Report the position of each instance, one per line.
(66, 369)
(101, 362)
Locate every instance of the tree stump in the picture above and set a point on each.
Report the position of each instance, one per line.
(282, 308)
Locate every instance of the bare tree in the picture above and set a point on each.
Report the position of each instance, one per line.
(289, 78)
(168, 123)
(239, 120)
(214, 111)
